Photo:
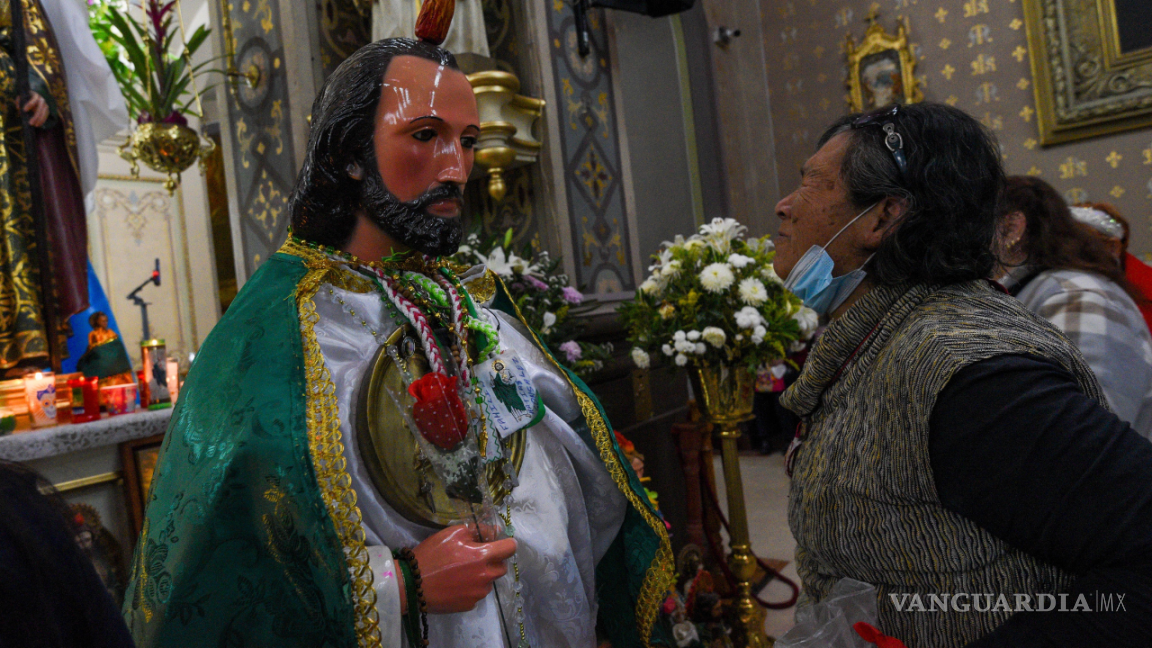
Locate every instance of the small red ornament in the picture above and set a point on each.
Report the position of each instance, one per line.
(870, 634)
(434, 20)
(438, 412)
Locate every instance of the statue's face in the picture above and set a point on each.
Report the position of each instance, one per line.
(426, 126)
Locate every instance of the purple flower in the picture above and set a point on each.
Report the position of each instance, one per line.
(535, 283)
(571, 350)
(571, 295)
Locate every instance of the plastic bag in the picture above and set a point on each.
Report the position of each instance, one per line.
(828, 624)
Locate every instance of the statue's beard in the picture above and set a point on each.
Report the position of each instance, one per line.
(409, 222)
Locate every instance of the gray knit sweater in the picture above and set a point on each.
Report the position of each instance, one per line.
(863, 501)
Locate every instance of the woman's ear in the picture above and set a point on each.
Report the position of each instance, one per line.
(888, 214)
(355, 171)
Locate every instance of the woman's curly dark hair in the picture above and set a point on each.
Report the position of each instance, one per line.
(325, 198)
(950, 188)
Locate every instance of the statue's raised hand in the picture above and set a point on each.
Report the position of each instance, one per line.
(458, 571)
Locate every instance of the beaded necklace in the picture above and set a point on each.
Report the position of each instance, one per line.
(444, 291)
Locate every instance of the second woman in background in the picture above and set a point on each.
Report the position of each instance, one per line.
(1064, 273)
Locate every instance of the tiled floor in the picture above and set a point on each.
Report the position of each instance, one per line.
(766, 498)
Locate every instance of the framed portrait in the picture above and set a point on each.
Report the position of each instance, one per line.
(1091, 65)
(881, 69)
(138, 457)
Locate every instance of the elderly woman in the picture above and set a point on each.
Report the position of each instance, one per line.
(954, 446)
(1064, 272)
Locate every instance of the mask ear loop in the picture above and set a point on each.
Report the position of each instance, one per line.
(858, 216)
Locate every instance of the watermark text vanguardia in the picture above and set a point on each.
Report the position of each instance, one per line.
(985, 602)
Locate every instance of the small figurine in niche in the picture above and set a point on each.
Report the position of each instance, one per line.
(106, 357)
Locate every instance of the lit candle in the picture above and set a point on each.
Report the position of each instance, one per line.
(173, 377)
(40, 392)
(90, 397)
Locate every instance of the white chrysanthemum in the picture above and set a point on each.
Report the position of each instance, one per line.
(739, 337)
(670, 269)
(693, 335)
(668, 350)
(808, 321)
(758, 334)
(739, 260)
(684, 346)
(651, 287)
(752, 292)
(748, 317)
(769, 273)
(700, 348)
(640, 357)
(678, 336)
(714, 336)
(681, 360)
(716, 277)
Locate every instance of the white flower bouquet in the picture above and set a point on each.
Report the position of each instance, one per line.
(714, 299)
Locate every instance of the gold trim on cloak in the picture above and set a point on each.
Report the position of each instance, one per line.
(324, 438)
(660, 576)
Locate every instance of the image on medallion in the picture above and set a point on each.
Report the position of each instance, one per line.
(138, 459)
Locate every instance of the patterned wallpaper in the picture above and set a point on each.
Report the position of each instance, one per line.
(589, 141)
(261, 136)
(972, 54)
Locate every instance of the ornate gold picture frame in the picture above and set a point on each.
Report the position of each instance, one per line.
(1091, 66)
(881, 69)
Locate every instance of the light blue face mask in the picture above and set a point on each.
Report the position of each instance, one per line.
(812, 281)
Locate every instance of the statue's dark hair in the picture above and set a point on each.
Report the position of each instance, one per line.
(324, 200)
(950, 189)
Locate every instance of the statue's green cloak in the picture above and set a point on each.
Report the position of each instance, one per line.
(251, 535)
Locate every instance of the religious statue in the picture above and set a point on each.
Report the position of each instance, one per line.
(73, 104)
(372, 448)
(106, 357)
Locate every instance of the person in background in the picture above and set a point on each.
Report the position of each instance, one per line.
(1062, 271)
(50, 594)
(1114, 229)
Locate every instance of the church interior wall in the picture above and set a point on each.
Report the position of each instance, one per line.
(972, 54)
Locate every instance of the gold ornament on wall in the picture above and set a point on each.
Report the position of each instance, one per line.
(882, 68)
(507, 123)
(1091, 67)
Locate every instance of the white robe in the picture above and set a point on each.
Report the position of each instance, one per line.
(566, 509)
(98, 110)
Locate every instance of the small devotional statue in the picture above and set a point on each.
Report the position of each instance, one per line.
(106, 357)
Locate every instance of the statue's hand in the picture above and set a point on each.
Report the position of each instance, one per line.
(457, 571)
(39, 109)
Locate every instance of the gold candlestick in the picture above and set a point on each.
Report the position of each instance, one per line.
(726, 395)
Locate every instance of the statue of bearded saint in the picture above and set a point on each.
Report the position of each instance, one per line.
(275, 518)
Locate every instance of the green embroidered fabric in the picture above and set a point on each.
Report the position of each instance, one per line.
(238, 549)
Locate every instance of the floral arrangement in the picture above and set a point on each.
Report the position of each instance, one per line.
(543, 295)
(154, 74)
(714, 299)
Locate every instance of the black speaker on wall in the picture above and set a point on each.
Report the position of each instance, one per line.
(654, 8)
